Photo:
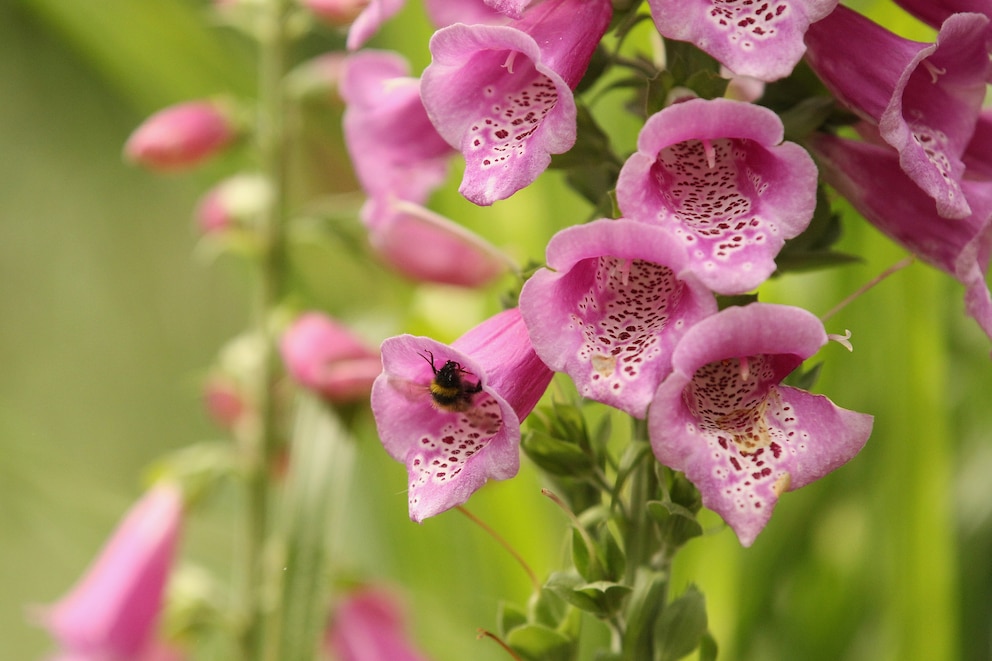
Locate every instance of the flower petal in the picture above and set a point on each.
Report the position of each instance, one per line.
(610, 308)
(714, 173)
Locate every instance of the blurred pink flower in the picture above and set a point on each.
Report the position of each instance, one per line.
(113, 611)
(181, 136)
(324, 356)
(368, 625)
(336, 12)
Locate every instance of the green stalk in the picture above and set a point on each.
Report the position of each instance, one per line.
(272, 147)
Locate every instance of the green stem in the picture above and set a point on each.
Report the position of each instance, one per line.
(639, 542)
(272, 147)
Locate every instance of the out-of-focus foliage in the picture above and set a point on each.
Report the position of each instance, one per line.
(108, 319)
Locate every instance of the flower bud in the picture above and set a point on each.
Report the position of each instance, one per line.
(324, 356)
(181, 136)
(338, 13)
(234, 202)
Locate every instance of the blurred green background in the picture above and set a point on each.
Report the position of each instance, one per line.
(110, 317)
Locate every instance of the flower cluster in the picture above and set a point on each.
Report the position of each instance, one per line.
(627, 306)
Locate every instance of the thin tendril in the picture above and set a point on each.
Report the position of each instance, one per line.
(505, 544)
(898, 266)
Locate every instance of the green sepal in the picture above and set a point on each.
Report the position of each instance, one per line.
(642, 610)
(603, 599)
(804, 379)
(684, 492)
(547, 608)
(510, 616)
(813, 249)
(591, 168)
(677, 524)
(556, 456)
(537, 642)
(680, 627)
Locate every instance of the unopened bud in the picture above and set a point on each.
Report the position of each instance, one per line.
(324, 356)
(181, 136)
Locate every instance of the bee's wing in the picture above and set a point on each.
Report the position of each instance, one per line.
(409, 389)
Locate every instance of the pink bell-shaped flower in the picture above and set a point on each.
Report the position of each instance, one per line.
(502, 94)
(615, 299)
(452, 413)
(717, 174)
(763, 40)
(427, 247)
(868, 174)
(394, 147)
(924, 98)
(113, 611)
(723, 418)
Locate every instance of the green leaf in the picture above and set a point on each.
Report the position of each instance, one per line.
(510, 616)
(680, 627)
(631, 458)
(539, 643)
(600, 598)
(547, 607)
(707, 647)
(642, 610)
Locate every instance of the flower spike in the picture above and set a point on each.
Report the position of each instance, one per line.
(724, 419)
(452, 413)
(717, 174)
(610, 307)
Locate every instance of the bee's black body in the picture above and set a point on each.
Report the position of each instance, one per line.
(449, 389)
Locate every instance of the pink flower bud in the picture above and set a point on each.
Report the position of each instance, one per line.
(324, 356)
(113, 611)
(224, 401)
(336, 12)
(234, 202)
(181, 136)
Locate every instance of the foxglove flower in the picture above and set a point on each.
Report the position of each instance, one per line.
(368, 625)
(924, 98)
(452, 413)
(181, 136)
(868, 174)
(324, 356)
(724, 419)
(763, 40)
(978, 156)
(502, 95)
(717, 174)
(511, 8)
(427, 247)
(234, 202)
(935, 12)
(112, 613)
(609, 309)
(395, 149)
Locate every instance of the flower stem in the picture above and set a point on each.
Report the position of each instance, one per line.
(272, 147)
(898, 266)
(506, 545)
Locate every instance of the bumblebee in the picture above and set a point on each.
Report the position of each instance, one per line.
(449, 389)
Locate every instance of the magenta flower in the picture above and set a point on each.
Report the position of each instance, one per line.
(368, 22)
(112, 612)
(368, 625)
(868, 174)
(511, 8)
(394, 147)
(935, 12)
(324, 356)
(181, 136)
(763, 40)
(724, 419)
(503, 94)
(978, 155)
(715, 174)
(610, 308)
(452, 413)
(924, 98)
(427, 247)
